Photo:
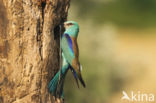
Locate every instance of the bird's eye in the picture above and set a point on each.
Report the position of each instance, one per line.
(70, 24)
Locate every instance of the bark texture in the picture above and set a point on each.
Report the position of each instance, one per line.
(29, 48)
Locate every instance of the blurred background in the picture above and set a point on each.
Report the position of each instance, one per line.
(117, 42)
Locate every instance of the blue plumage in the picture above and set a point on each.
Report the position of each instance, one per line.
(57, 80)
(70, 54)
(72, 58)
(69, 42)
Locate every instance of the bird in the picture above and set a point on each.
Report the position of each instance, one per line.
(70, 49)
(70, 59)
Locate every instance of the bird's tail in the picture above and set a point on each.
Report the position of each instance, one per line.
(56, 84)
(52, 86)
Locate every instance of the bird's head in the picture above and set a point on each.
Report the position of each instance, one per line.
(71, 28)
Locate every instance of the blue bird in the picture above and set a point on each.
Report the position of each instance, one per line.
(70, 59)
(70, 49)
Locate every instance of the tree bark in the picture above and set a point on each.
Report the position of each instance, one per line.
(29, 48)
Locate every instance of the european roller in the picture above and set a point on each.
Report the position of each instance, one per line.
(70, 49)
(70, 59)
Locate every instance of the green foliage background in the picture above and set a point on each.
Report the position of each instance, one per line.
(102, 22)
(131, 13)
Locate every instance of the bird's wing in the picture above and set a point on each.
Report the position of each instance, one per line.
(67, 48)
(70, 52)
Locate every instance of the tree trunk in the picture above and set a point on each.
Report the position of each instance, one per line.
(29, 48)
